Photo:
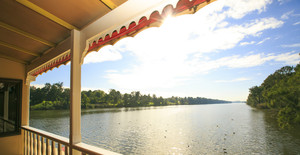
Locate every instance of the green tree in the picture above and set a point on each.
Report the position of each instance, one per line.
(55, 92)
(255, 96)
(85, 101)
(280, 91)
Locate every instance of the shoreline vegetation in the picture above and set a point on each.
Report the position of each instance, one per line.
(56, 97)
(280, 92)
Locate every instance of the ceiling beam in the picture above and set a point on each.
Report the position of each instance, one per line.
(47, 14)
(13, 59)
(28, 35)
(111, 5)
(18, 48)
(50, 54)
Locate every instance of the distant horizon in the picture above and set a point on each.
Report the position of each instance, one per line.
(219, 52)
(41, 86)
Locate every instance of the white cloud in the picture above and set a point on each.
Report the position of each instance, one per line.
(107, 53)
(263, 41)
(207, 38)
(43, 85)
(111, 71)
(241, 79)
(167, 74)
(240, 8)
(222, 25)
(167, 57)
(243, 61)
(38, 85)
(282, 1)
(290, 58)
(92, 89)
(247, 43)
(286, 15)
(297, 23)
(234, 80)
(296, 15)
(237, 61)
(291, 45)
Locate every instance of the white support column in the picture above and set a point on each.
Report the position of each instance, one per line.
(26, 101)
(25, 106)
(75, 105)
(6, 100)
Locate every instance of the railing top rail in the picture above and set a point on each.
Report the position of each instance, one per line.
(59, 139)
(89, 149)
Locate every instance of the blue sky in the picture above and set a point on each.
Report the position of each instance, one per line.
(219, 52)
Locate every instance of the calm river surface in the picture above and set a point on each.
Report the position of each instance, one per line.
(186, 129)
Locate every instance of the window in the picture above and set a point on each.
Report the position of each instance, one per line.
(10, 106)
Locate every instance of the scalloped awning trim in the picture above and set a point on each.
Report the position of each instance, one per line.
(64, 58)
(155, 19)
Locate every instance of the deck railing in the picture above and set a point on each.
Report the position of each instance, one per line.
(39, 142)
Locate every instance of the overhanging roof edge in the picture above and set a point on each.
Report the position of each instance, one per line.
(100, 29)
(50, 56)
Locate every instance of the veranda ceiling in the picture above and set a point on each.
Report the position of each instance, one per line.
(28, 28)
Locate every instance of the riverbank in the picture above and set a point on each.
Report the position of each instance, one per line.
(43, 106)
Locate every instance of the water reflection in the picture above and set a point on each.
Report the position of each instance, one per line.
(190, 129)
(54, 121)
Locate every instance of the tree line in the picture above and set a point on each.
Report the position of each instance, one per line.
(55, 96)
(279, 91)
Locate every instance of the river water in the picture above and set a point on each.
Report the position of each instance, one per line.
(185, 129)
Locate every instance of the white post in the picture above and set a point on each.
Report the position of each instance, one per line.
(25, 109)
(25, 106)
(75, 105)
(26, 102)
